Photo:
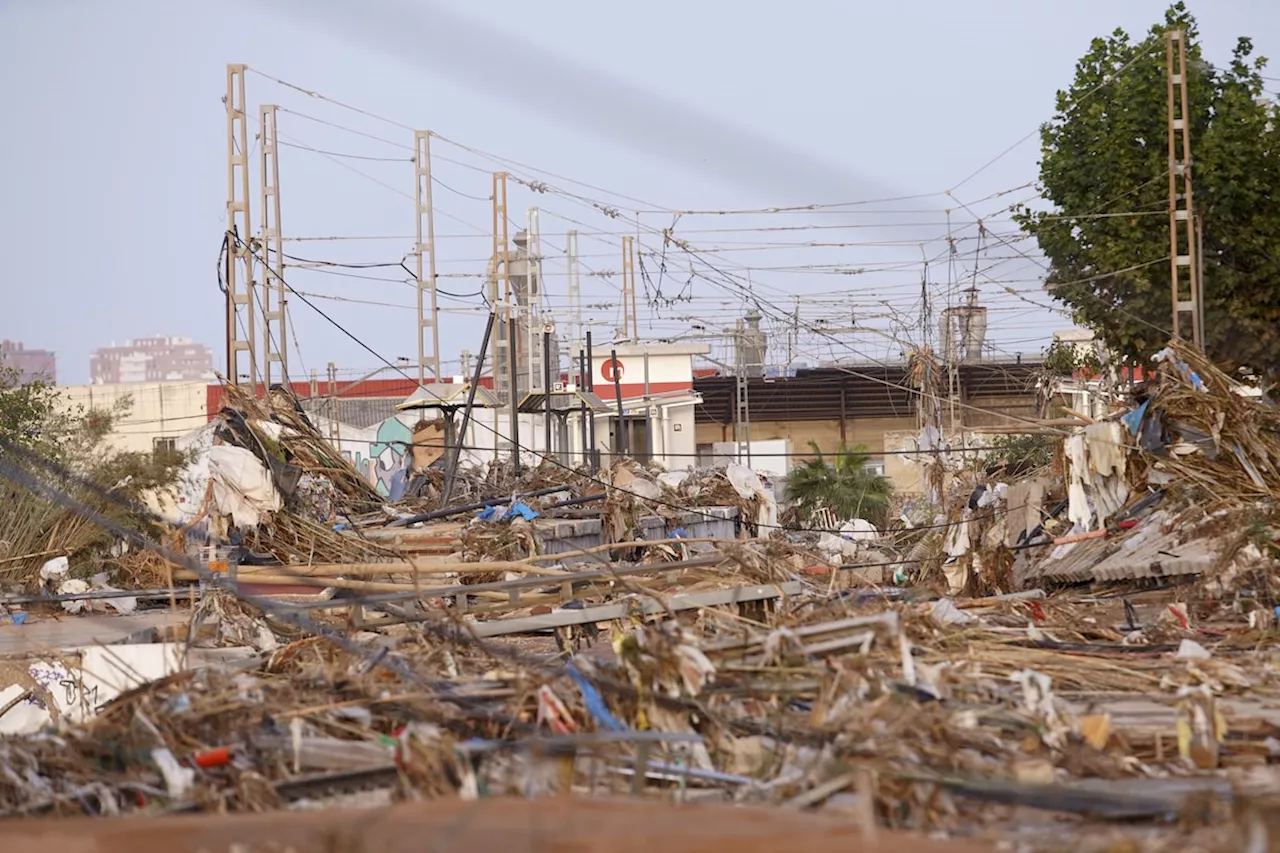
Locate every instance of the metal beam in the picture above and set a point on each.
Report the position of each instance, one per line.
(275, 346)
(425, 247)
(240, 297)
(1187, 296)
(648, 606)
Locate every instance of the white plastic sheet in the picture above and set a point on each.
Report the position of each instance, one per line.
(748, 484)
(242, 486)
(55, 568)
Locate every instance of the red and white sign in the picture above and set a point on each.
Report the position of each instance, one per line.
(612, 370)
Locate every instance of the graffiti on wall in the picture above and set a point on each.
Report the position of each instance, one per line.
(389, 458)
(385, 460)
(360, 462)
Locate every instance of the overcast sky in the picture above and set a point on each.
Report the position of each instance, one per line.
(115, 158)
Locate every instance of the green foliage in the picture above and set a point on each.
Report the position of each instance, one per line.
(1018, 454)
(842, 484)
(38, 417)
(31, 414)
(1104, 171)
(1063, 359)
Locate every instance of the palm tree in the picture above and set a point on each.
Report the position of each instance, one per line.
(843, 485)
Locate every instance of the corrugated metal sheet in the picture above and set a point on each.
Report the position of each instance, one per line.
(358, 412)
(1146, 552)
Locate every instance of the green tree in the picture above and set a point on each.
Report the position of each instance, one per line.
(843, 485)
(1104, 173)
(38, 417)
(32, 414)
(1016, 455)
(1064, 359)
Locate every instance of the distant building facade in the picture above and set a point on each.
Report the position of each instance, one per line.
(31, 364)
(151, 360)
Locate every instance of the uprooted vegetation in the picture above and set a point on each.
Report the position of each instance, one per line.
(37, 421)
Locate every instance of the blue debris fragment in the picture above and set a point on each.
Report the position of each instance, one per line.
(493, 513)
(595, 704)
(1133, 420)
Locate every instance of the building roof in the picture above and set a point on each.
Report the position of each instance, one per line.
(445, 396)
(873, 391)
(561, 401)
(360, 412)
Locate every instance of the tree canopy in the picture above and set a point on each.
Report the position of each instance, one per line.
(1104, 173)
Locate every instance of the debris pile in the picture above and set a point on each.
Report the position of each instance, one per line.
(664, 636)
(937, 714)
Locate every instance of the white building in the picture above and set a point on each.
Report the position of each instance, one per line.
(159, 412)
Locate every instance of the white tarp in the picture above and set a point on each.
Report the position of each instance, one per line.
(242, 486)
(748, 484)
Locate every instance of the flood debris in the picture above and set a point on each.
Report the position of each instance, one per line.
(1089, 643)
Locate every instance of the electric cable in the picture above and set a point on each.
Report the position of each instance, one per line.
(550, 459)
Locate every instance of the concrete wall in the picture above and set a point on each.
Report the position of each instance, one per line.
(159, 409)
(679, 436)
(827, 434)
(884, 438)
(1001, 411)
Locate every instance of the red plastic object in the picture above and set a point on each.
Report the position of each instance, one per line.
(218, 757)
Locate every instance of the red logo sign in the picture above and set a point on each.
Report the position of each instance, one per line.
(612, 370)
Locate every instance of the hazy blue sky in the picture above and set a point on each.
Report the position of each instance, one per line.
(115, 154)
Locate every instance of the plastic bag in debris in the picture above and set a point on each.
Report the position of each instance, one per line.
(1078, 510)
(1191, 650)
(177, 778)
(1133, 420)
(945, 612)
(747, 483)
(242, 487)
(55, 568)
(993, 495)
(628, 480)
(124, 604)
(837, 548)
(673, 479)
(1183, 368)
(859, 530)
(73, 586)
(319, 495)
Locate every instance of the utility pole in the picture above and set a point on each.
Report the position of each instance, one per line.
(742, 405)
(533, 299)
(793, 335)
(506, 345)
(1188, 296)
(425, 244)
(333, 406)
(241, 333)
(501, 295)
(275, 347)
(575, 299)
(630, 325)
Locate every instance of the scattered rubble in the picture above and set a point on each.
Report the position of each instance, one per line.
(1092, 642)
